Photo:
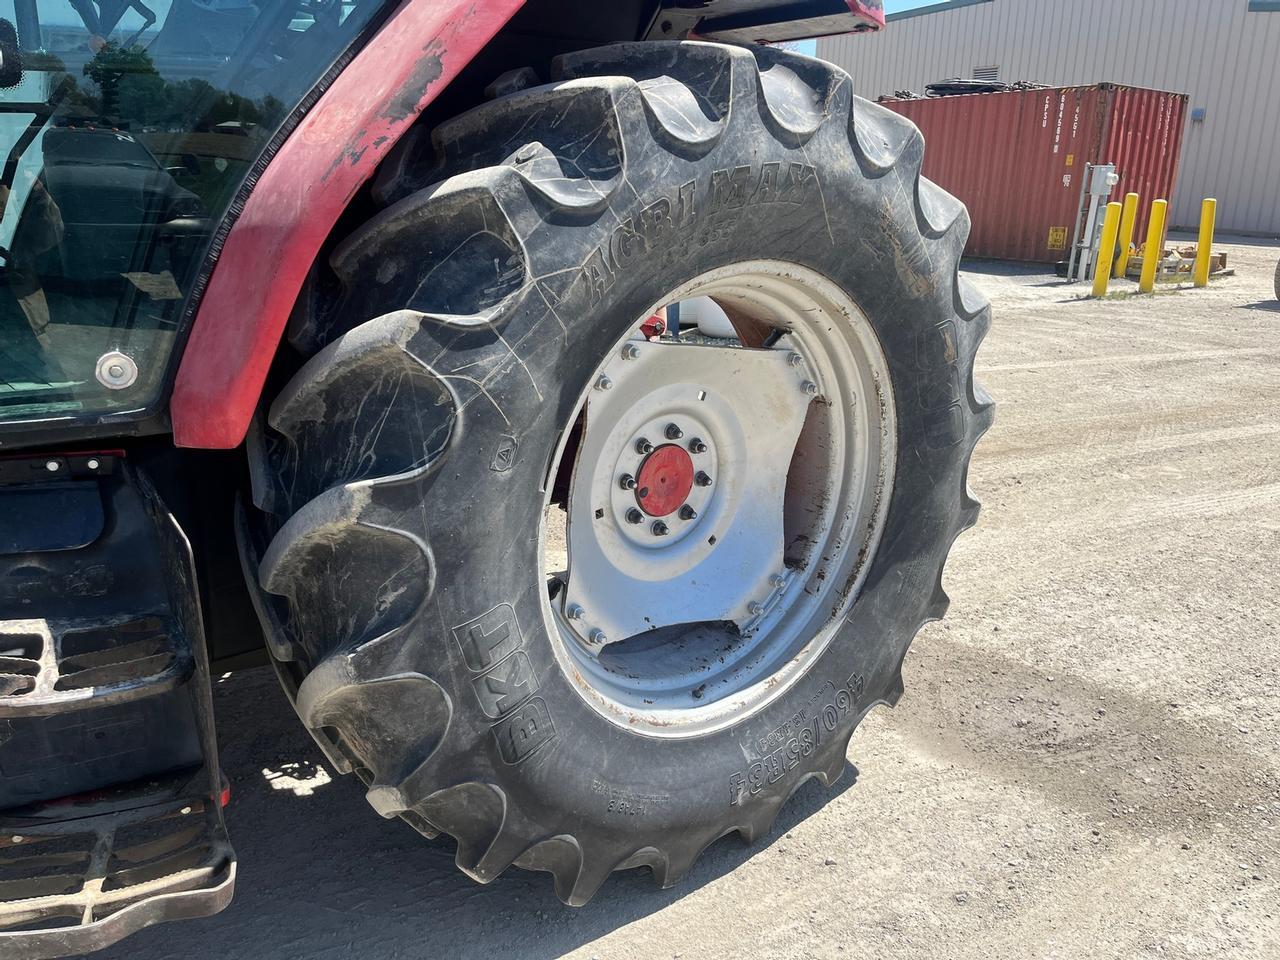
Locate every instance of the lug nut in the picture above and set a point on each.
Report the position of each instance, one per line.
(702, 479)
(697, 445)
(688, 513)
(674, 432)
(598, 638)
(644, 447)
(810, 388)
(627, 482)
(630, 352)
(777, 580)
(604, 383)
(755, 608)
(794, 359)
(574, 611)
(634, 516)
(660, 529)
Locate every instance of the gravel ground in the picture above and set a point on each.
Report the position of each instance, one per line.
(1085, 762)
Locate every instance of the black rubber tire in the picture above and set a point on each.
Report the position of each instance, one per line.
(402, 470)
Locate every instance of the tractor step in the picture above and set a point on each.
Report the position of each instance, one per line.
(110, 794)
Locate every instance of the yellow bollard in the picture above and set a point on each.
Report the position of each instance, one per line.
(1155, 244)
(1128, 219)
(1106, 249)
(1204, 249)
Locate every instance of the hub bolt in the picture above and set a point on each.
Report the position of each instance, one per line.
(794, 359)
(810, 388)
(688, 513)
(604, 383)
(598, 638)
(703, 479)
(630, 352)
(674, 432)
(574, 611)
(644, 447)
(627, 482)
(660, 529)
(697, 445)
(777, 580)
(634, 516)
(755, 608)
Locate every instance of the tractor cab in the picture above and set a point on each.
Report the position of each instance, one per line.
(128, 130)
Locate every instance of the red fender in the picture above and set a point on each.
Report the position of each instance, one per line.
(294, 206)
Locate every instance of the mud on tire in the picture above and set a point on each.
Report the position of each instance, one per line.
(400, 476)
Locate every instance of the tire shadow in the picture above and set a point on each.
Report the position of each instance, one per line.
(320, 875)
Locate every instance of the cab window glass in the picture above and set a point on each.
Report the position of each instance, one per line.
(128, 127)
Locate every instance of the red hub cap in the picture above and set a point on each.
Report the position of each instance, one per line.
(664, 480)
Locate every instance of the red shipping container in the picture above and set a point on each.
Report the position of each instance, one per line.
(1017, 159)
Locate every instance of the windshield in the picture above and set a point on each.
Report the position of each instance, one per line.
(128, 131)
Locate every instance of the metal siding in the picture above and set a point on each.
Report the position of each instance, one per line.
(1222, 54)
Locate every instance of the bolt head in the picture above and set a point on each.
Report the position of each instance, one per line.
(598, 637)
(93, 464)
(574, 611)
(630, 352)
(777, 580)
(688, 513)
(702, 479)
(674, 432)
(795, 359)
(634, 516)
(810, 388)
(644, 447)
(698, 445)
(627, 482)
(660, 529)
(51, 466)
(755, 608)
(604, 383)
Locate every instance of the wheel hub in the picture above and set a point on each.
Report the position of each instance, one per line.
(664, 481)
(676, 501)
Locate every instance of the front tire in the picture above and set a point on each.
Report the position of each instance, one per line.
(402, 473)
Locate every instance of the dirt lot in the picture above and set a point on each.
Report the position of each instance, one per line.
(1085, 763)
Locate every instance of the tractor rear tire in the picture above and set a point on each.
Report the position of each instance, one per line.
(400, 476)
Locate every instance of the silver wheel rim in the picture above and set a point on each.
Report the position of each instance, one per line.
(771, 621)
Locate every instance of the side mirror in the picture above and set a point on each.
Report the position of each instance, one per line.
(10, 58)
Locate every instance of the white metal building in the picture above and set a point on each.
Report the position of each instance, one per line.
(1224, 53)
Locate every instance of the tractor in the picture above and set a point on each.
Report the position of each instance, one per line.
(345, 335)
